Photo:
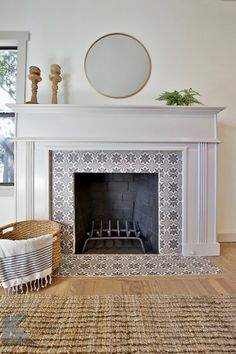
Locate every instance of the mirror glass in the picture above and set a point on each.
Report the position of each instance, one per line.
(117, 65)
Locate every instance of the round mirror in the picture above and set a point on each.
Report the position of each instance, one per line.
(117, 65)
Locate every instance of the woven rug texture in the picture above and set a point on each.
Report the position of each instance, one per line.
(133, 264)
(146, 324)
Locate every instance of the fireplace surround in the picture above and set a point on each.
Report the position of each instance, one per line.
(179, 144)
(167, 164)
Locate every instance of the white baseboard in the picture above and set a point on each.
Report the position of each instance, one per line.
(201, 249)
(226, 237)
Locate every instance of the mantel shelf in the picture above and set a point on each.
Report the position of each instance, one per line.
(105, 140)
(68, 108)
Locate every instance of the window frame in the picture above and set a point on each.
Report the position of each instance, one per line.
(17, 39)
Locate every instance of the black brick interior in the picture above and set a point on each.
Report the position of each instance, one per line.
(123, 196)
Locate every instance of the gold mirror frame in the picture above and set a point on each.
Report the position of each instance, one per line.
(140, 44)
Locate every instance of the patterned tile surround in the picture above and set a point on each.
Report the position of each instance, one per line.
(168, 165)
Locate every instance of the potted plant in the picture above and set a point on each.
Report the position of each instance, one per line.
(180, 98)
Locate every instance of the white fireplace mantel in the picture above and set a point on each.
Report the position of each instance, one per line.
(117, 123)
(191, 130)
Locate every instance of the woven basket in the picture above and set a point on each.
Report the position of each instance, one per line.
(32, 228)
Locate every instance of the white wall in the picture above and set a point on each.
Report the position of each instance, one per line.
(191, 44)
(7, 210)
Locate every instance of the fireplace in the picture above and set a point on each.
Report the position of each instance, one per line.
(116, 212)
(57, 144)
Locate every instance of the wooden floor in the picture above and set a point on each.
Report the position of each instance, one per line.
(191, 285)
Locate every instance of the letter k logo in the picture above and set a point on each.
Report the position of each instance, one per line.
(11, 333)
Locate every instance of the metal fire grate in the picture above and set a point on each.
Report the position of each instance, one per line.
(114, 230)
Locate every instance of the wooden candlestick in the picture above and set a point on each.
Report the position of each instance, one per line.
(55, 78)
(35, 78)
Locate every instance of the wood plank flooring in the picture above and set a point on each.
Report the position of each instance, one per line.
(188, 285)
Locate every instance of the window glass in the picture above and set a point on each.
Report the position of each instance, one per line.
(8, 71)
(7, 132)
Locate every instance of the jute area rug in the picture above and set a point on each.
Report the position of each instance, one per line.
(133, 264)
(119, 324)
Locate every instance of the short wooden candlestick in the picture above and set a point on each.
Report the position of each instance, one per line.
(35, 78)
(55, 78)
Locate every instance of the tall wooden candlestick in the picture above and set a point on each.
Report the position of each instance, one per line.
(55, 78)
(35, 78)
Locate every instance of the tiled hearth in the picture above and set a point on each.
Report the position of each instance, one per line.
(178, 144)
(168, 166)
(133, 264)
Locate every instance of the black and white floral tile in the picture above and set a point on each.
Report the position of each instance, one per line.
(134, 264)
(168, 165)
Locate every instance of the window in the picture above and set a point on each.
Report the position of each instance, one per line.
(8, 74)
(12, 90)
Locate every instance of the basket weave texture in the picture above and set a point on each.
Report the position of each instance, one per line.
(24, 230)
